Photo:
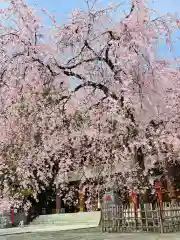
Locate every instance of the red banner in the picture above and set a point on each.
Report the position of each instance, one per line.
(134, 199)
(158, 187)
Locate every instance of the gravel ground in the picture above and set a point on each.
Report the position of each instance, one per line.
(92, 235)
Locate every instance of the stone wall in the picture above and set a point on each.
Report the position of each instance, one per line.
(5, 219)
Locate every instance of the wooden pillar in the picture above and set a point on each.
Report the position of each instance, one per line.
(12, 215)
(81, 200)
(58, 204)
(171, 172)
(58, 199)
(171, 190)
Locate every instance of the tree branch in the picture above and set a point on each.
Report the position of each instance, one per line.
(54, 74)
(97, 86)
(131, 11)
(105, 59)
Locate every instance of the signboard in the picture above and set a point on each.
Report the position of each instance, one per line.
(111, 197)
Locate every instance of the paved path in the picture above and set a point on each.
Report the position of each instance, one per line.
(89, 235)
(43, 228)
(57, 222)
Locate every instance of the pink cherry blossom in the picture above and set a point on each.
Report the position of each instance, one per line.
(91, 93)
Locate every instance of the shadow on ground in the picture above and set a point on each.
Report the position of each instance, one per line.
(91, 234)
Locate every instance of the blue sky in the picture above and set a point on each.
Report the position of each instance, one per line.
(59, 7)
(66, 6)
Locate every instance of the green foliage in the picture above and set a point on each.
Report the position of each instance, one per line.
(79, 119)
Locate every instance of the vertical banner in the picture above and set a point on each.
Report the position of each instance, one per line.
(158, 187)
(99, 204)
(134, 200)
